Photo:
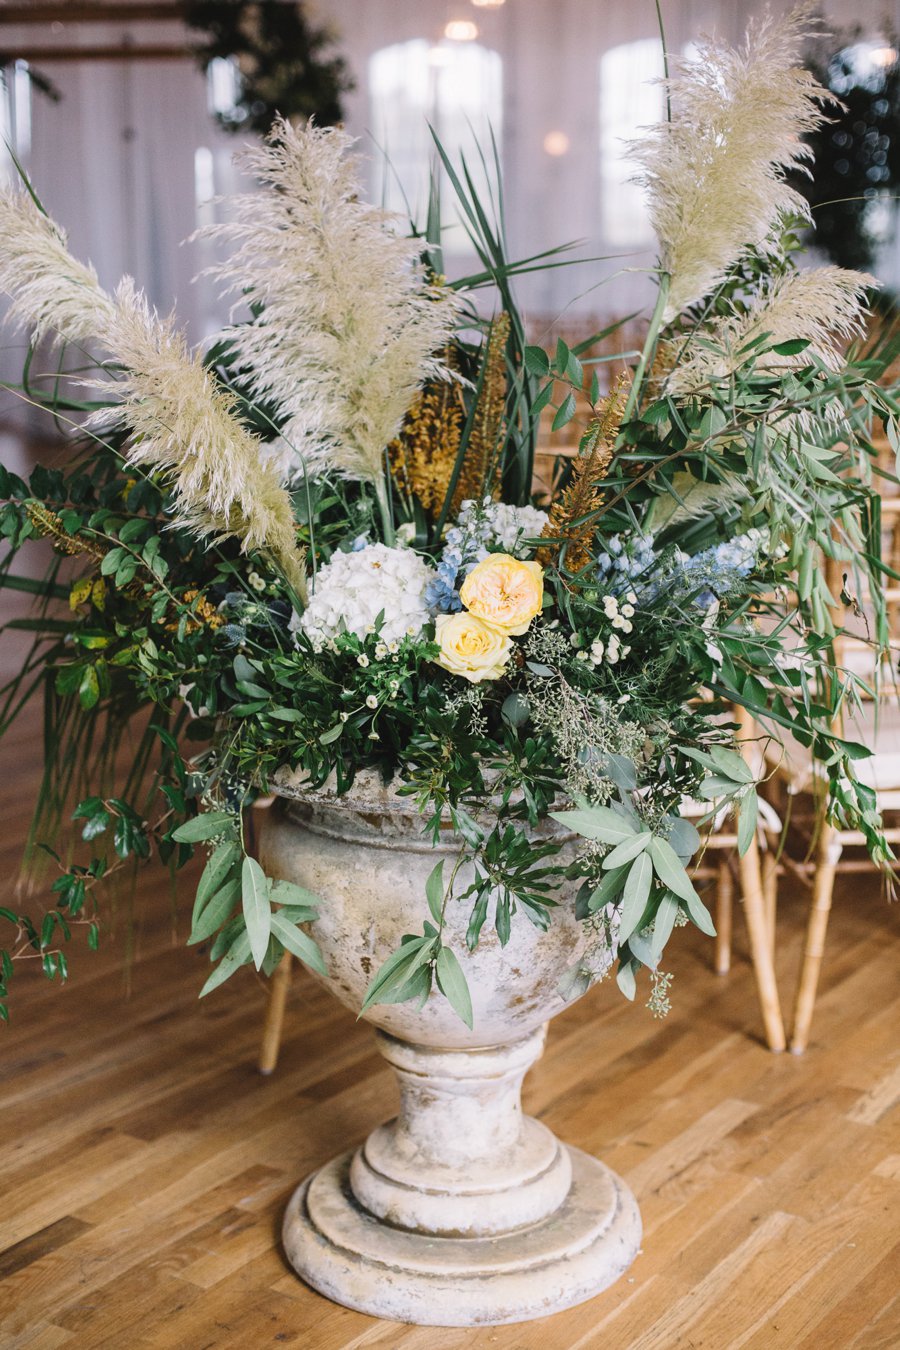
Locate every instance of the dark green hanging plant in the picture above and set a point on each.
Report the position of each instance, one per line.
(287, 64)
(857, 152)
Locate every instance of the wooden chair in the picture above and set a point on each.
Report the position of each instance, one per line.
(877, 725)
(757, 870)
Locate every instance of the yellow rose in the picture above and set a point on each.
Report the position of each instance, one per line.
(504, 592)
(470, 648)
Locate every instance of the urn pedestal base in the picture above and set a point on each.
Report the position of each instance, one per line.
(461, 1211)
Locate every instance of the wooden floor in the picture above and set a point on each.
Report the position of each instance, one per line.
(145, 1164)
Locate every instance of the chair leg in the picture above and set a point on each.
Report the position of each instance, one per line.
(827, 859)
(763, 966)
(278, 992)
(724, 897)
(770, 894)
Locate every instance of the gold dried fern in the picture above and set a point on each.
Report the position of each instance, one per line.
(423, 455)
(584, 493)
(479, 465)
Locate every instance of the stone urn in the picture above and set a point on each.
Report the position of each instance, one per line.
(461, 1211)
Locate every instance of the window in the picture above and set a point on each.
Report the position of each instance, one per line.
(457, 87)
(15, 117)
(627, 103)
(223, 88)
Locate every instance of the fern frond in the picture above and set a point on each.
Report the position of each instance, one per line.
(584, 493)
(486, 435)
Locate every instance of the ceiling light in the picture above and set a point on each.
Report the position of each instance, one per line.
(556, 143)
(461, 30)
(488, 4)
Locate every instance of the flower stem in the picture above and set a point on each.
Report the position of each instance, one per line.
(649, 345)
(384, 507)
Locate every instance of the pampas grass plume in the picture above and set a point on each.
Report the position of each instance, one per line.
(348, 328)
(824, 305)
(182, 424)
(716, 174)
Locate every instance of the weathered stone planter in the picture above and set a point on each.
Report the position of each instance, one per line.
(461, 1210)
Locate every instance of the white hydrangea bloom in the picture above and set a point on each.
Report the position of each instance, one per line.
(353, 588)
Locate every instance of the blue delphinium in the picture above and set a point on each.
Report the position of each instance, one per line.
(715, 571)
(441, 593)
(706, 576)
(624, 568)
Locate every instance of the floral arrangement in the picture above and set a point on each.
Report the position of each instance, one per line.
(315, 550)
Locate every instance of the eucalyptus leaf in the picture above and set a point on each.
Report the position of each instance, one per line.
(434, 891)
(609, 889)
(288, 893)
(216, 911)
(683, 837)
(715, 786)
(417, 987)
(399, 967)
(670, 869)
(597, 822)
(663, 923)
(635, 894)
(624, 853)
(205, 826)
(747, 814)
(452, 984)
(296, 941)
(730, 764)
(257, 908)
(625, 978)
(214, 873)
(238, 955)
(699, 914)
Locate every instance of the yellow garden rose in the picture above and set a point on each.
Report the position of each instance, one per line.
(504, 592)
(470, 648)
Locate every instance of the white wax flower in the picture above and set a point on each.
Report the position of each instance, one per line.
(353, 588)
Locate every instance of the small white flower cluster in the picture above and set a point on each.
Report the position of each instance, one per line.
(620, 616)
(613, 649)
(353, 588)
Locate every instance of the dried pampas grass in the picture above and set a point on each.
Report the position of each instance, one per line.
(181, 423)
(348, 329)
(824, 306)
(51, 292)
(716, 174)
